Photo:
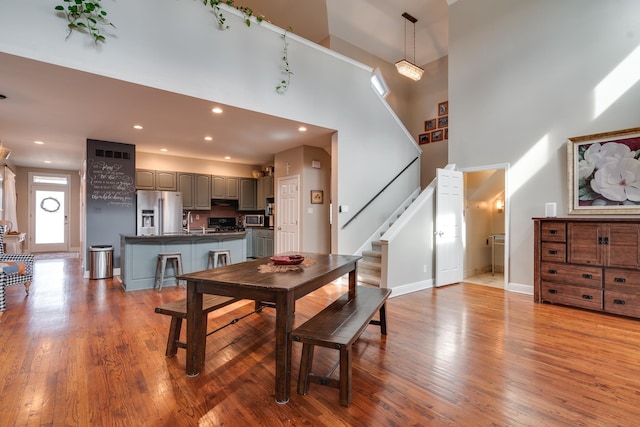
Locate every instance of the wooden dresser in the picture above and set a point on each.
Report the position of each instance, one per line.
(593, 263)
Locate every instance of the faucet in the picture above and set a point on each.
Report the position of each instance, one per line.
(189, 219)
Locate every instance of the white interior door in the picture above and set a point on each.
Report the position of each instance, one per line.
(288, 215)
(49, 213)
(448, 227)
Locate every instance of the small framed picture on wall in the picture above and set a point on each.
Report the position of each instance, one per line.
(316, 197)
(443, 122)
(423, 138)
(443, 108)
(429, 125)
(437, 135)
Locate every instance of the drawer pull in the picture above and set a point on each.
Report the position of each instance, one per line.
(619, 280)
(553, 291)
(587, 296)
(553, 252)
(619, 301)
(553, 231)
(587, 276)
(552, 271)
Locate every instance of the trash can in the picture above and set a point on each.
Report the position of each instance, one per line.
(100, 261)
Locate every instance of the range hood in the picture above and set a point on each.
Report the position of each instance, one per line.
(224, 202)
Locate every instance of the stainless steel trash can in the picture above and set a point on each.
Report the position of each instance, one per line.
(100, 261)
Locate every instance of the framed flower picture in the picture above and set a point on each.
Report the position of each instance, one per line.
(604, 173)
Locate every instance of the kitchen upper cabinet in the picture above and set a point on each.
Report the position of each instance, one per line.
(247, 197)
(196, 191)
(145, 179)
(264, 191)
(225, 187)
(166, 181)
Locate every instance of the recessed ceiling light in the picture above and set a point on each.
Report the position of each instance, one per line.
(302, 129)
(47, 161)
(38, 142)
(227, 157)
(208, 138)
(164, 150)
(217, 110)
(137, 127)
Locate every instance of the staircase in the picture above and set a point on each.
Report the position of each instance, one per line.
(370, 266)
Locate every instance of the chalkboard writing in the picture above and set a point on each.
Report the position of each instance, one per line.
(111, 183)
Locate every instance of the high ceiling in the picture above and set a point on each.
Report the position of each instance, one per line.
(49, 110)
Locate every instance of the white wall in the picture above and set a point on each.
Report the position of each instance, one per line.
(522, 76)
(180, 49)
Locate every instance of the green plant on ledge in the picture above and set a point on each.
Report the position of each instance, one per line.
(85, 16)
(286, 69)
(246, 11)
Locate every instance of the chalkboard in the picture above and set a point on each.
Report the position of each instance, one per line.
(110, 182)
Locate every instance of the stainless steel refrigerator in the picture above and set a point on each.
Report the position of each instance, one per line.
(158, 212)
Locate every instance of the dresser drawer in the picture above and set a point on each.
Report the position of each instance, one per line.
(575, 275)
(553, 232)
(622, 303)
(553, 251)
(622, 280)
(572, 295)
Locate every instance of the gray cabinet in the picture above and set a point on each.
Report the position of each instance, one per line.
(225, 187)
(148, 179)
(247, 197)
(166, 181)
(264, 191)
(263, 242)
(196, 191)
(145, 179)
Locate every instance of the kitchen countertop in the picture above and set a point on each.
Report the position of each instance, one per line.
(192, 233)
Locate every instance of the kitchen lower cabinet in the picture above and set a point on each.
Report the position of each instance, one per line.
(589, 263)
(263, 242)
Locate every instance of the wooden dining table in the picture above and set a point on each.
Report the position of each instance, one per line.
(258, 280)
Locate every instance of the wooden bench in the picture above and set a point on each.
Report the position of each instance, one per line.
(338, 326)
(178, 311)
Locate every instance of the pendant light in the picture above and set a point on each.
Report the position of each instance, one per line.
(404, 67)
(4, 152)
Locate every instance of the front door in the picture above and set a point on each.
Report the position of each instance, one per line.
(49, 213)
(448, 234)
(287, 215)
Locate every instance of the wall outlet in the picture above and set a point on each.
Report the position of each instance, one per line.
(197, 217)
(424, 268)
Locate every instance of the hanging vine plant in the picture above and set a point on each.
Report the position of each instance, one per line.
(286, 69)
(85, 16)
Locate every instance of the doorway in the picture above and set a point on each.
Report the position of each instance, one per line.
(485, 234)
(48, 212)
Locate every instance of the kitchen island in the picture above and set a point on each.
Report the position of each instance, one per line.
(139, 254)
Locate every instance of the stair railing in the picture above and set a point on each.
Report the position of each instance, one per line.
(379, 193)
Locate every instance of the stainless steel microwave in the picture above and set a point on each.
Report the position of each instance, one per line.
(254, 220)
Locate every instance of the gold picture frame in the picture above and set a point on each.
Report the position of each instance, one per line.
(604, 173)
(317, 197)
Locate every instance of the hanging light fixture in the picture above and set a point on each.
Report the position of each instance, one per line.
(406, 68)
(4, 152)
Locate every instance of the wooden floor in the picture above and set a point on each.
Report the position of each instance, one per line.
(85, 353)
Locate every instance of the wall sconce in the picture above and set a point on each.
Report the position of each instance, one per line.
(499, 205)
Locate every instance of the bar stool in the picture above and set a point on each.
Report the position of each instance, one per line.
(219, 257)
(163, 257)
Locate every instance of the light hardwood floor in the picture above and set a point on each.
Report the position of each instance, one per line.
(85, 353)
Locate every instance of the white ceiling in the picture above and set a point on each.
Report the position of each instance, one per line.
(51, 110)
